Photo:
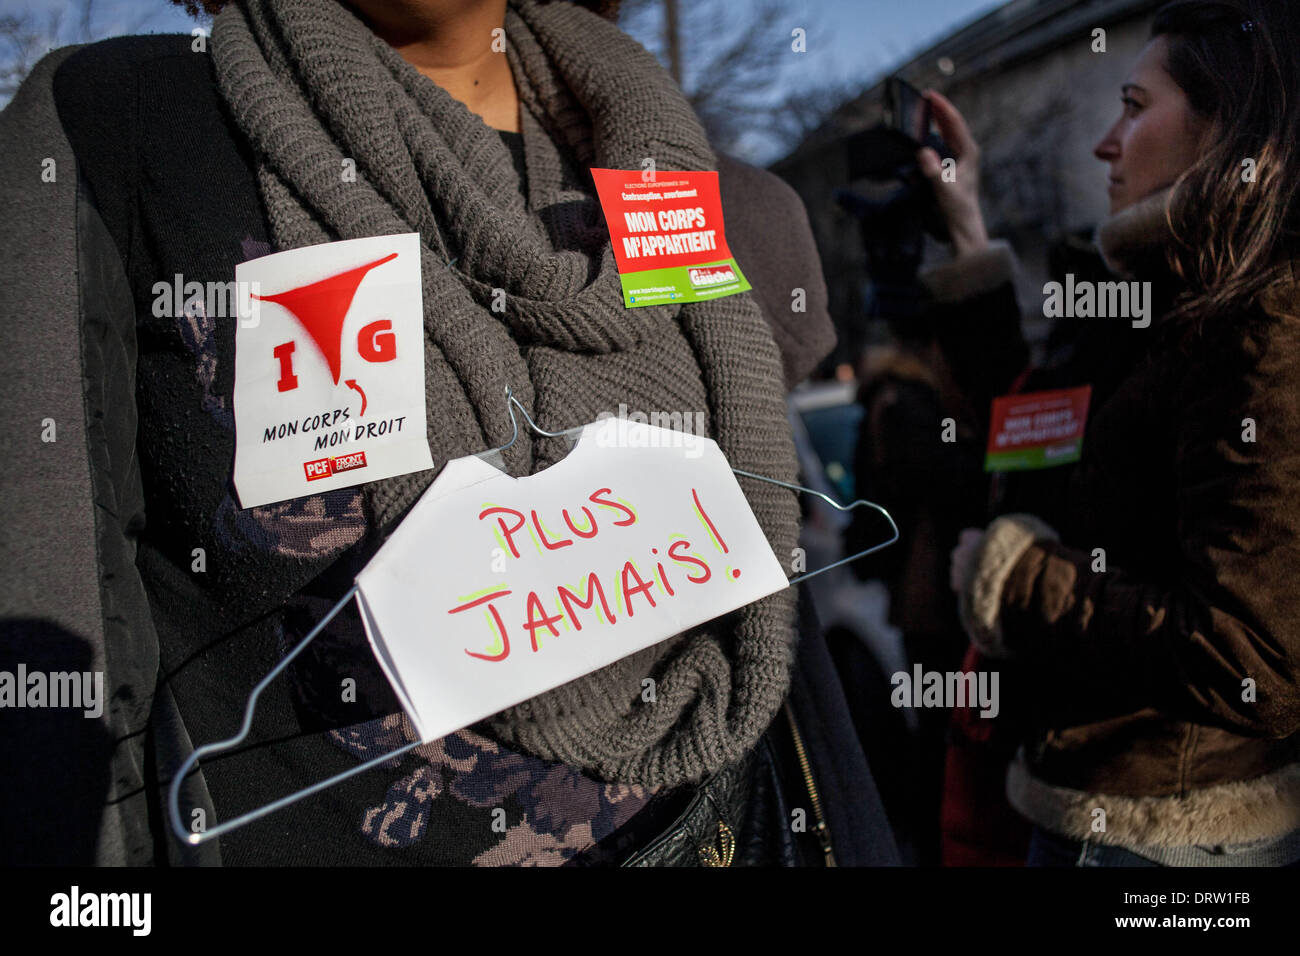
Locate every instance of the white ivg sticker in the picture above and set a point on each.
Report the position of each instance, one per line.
(329, 368)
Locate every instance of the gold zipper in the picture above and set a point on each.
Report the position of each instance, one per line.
(709, 856)
(821, 829)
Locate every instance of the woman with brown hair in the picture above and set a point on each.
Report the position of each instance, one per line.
(1152, 614)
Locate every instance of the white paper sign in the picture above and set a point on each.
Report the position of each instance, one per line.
(329, 368)
(496, 589)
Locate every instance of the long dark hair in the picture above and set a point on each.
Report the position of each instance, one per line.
(606, 8)
(1239, 65)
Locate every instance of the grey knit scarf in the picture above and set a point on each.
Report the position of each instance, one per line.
(309, 85)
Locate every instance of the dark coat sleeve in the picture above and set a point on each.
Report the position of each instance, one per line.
(976, 321)
(65, 774)
(769, 234)
(78, 789)
(1184, 638)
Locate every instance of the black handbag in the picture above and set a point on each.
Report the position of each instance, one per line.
(804, 795)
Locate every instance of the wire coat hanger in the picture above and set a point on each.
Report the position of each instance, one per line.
(492, 456)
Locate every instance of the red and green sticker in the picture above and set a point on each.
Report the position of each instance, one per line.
(1037, 429)
(668, 236)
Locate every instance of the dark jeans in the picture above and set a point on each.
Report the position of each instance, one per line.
(1051, 849)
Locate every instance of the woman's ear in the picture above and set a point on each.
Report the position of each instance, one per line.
(1203, 131)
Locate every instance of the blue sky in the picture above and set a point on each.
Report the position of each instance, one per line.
(861, 38)
(848, 41)
(868, 37)
(112, 17)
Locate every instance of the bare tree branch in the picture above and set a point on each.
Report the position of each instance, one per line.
(27, 36)
(24, 39)
(733, 77)
(673, 39)
(85, 21)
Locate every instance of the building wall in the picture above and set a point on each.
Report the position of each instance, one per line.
(1037, 119)
(1038, 124)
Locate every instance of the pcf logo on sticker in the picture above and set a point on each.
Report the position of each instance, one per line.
(326, 467)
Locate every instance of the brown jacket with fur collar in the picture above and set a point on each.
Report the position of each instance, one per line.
(1157, 616)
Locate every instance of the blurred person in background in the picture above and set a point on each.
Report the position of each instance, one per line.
(920, 450)
(1161, 709)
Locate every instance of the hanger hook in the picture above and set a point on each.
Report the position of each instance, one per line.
(859, 503)
(250, 707)
(511, 404)
(514, 425)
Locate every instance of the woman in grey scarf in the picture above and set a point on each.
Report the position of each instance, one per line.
(291, 92)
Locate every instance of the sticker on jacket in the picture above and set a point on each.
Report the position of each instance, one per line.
(329, 368)
(495, 589)
(668, 238)
(1037, 429)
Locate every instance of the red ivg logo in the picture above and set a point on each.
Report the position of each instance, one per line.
(321, 308)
